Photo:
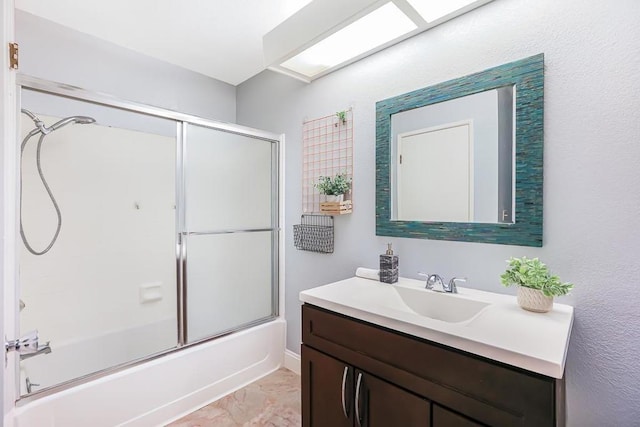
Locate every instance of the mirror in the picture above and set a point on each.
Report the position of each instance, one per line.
(468, 140)
(462, 160)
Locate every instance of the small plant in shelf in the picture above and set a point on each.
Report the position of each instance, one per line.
(537, 286)
(336, 186)
(342, 117)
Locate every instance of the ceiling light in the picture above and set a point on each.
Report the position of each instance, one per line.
(377, 28)
(328, 34)
(432, 10)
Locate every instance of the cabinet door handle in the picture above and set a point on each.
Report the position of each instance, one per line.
(358, 384)
(344, 391)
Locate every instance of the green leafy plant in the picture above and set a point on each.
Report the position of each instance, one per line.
(333, 186)
(532, 273)
(342, 116)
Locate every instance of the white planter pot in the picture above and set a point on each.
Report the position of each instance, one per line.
(534, 300)
(333, 198)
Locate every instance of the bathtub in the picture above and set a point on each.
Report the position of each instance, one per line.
(79, 357)
(161, 390)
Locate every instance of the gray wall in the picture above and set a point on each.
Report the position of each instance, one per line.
(592, 178)
(54, 52)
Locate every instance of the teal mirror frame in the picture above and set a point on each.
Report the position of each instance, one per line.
(528, 77)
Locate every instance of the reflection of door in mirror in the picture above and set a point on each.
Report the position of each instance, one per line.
(435, 174)
(451, 172)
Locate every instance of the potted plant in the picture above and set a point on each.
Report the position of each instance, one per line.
(536, 285)
(334, 187)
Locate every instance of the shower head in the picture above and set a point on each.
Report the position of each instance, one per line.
(83, 120)
(40, 127)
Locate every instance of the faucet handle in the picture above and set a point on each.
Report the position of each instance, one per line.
(426, 276)
(452, 284)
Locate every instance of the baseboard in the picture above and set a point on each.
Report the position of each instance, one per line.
(292, 361)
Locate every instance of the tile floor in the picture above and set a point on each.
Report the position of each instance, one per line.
(273, 401)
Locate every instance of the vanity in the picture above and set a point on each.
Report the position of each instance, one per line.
(375, 354)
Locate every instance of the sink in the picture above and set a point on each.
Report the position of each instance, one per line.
(441, 306)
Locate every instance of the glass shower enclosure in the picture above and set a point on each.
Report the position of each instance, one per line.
(144, 231)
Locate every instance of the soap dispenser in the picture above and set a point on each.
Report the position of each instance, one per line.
(389, 266)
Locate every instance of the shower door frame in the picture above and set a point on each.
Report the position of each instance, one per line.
(182, 121)
(8, 191)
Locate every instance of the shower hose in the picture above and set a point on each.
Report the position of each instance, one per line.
(46, 186)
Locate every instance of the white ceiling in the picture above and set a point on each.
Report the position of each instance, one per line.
(218, 38)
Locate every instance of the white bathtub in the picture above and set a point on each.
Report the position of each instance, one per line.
(159, 391)
(79, 357)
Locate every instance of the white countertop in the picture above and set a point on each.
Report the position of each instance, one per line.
(502, 331)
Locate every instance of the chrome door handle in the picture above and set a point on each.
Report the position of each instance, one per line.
(344, 384)
(358, 384)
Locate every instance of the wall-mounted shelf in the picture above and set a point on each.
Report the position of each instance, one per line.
(327, 151)
(336, 208)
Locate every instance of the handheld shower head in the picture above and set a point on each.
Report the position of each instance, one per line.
(74, 119)
(40, 126)
(44, 131)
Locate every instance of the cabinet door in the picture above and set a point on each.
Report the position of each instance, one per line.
(327, 390)
(381, 404)
(444, 418)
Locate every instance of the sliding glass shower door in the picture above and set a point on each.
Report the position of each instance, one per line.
(228, 231)
(105, 293)
(168, 233)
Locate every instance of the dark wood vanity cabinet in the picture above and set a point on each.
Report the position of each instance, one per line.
(356, 374)
(337, 393)
(328, 390)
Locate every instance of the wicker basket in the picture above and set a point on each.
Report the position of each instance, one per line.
(534, 300)
(315, 234)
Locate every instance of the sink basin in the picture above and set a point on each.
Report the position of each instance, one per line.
(441, 306)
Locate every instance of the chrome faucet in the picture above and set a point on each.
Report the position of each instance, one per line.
(437, 284)
(42, 349)
(452, 284)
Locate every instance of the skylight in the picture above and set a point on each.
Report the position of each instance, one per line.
(328, 34)
(431, 10)
(377, 28)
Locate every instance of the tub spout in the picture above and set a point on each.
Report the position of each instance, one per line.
(42, 349)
